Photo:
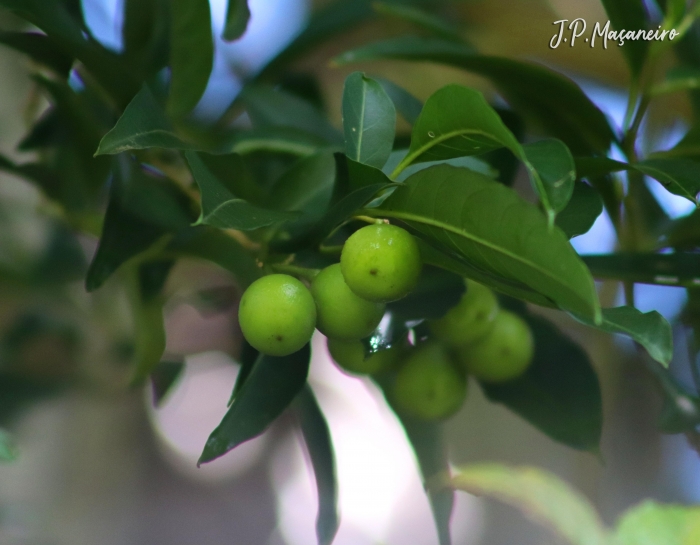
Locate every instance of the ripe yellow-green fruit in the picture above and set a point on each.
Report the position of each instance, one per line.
(277, 314)
(339, 312)
(428, 386)
(381, 262)
(350, 356)
(470, 319)
(504, 353)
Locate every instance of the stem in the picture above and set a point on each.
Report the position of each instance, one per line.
(303, 272)
(368, 219)
(330, 250)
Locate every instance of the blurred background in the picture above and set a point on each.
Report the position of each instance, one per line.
(98, 466)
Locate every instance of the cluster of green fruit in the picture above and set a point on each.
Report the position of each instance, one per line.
(346, 302)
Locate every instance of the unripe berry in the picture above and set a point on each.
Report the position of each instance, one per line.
(350, 356)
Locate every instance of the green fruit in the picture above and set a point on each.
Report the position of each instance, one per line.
(277, 314)
(339, 312)
(504, 353)
(350, 356)
(470, 319)
(428, 386)
(381, 262)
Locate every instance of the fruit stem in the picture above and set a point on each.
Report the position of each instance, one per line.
(368, 219)
(330, 250)
(303, 272)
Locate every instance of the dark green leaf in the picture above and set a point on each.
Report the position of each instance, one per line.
(629, 15)
(649, 329)
(684, 232)
(232, 170)
(679, 269)
(146, 35)
(591, 167)
(553, 162)
(679, 176)
(369, 121)
(8, 447)
(191, 54)
(163, 378)
(51, 16)
(248, 357)
(221, 208)
(472, 163)
(422, 19)
(564, 111)
(142, 125)
(40, 48)
(271, 386)
(270, 107)
(437, 291)
(559, 393)
(237, 16)
(274, 139)
(540, 496)
(496, 231)
(317, 438)
(405, 103)
(583, 209)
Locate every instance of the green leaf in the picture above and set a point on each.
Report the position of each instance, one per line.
(649, 329)
(221, 208)
(40, 48)
(422, 19)
(650, 523)
(405, 103)
(679, 176)
(8, 447)
(142, 125)
(457, 121)
(592, 167)
(237, 16)
(493, 229)
(679, 269)
(472, 163)
(269, 107)
(630, 15)
(271, 386)
(678, 78)
(273, 139)
(437, 291)
(564, 111)
(51, 16)
(317, 438)
(553, 162)
(538, 495)
(580, 213)
(191, 54)
(369, 121)
(232, 170)
(559, 393)
(163, 378)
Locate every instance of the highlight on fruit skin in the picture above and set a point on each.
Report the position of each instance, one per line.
(470, 319)
(381, 262)
(503, 354)
(339, 312)
(277, 314)
(352, 358)
(428, 385)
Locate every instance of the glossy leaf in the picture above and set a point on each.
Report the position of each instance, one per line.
(629, 15)
(437, 291)
(317, 438)
(271, 387)
(538, 495)
(559, 393)
(555, 166)
(369, 121)
(408, 106)
(142, 125)
(237, 17)
(679, 269)
(191, 54)
(679, 176)
(496, 231)
(221, 208)
(650, 523)
(649, 329)
(422, 19)
(8, 447)
(472, 163)
(580, 213)
(564, 111)
(269, 107)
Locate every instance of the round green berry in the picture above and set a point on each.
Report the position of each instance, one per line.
(504, 353)
(277, 314)
(428, 386)
(339, 312)
(350, 356)
(381, 262)
(470, 319)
